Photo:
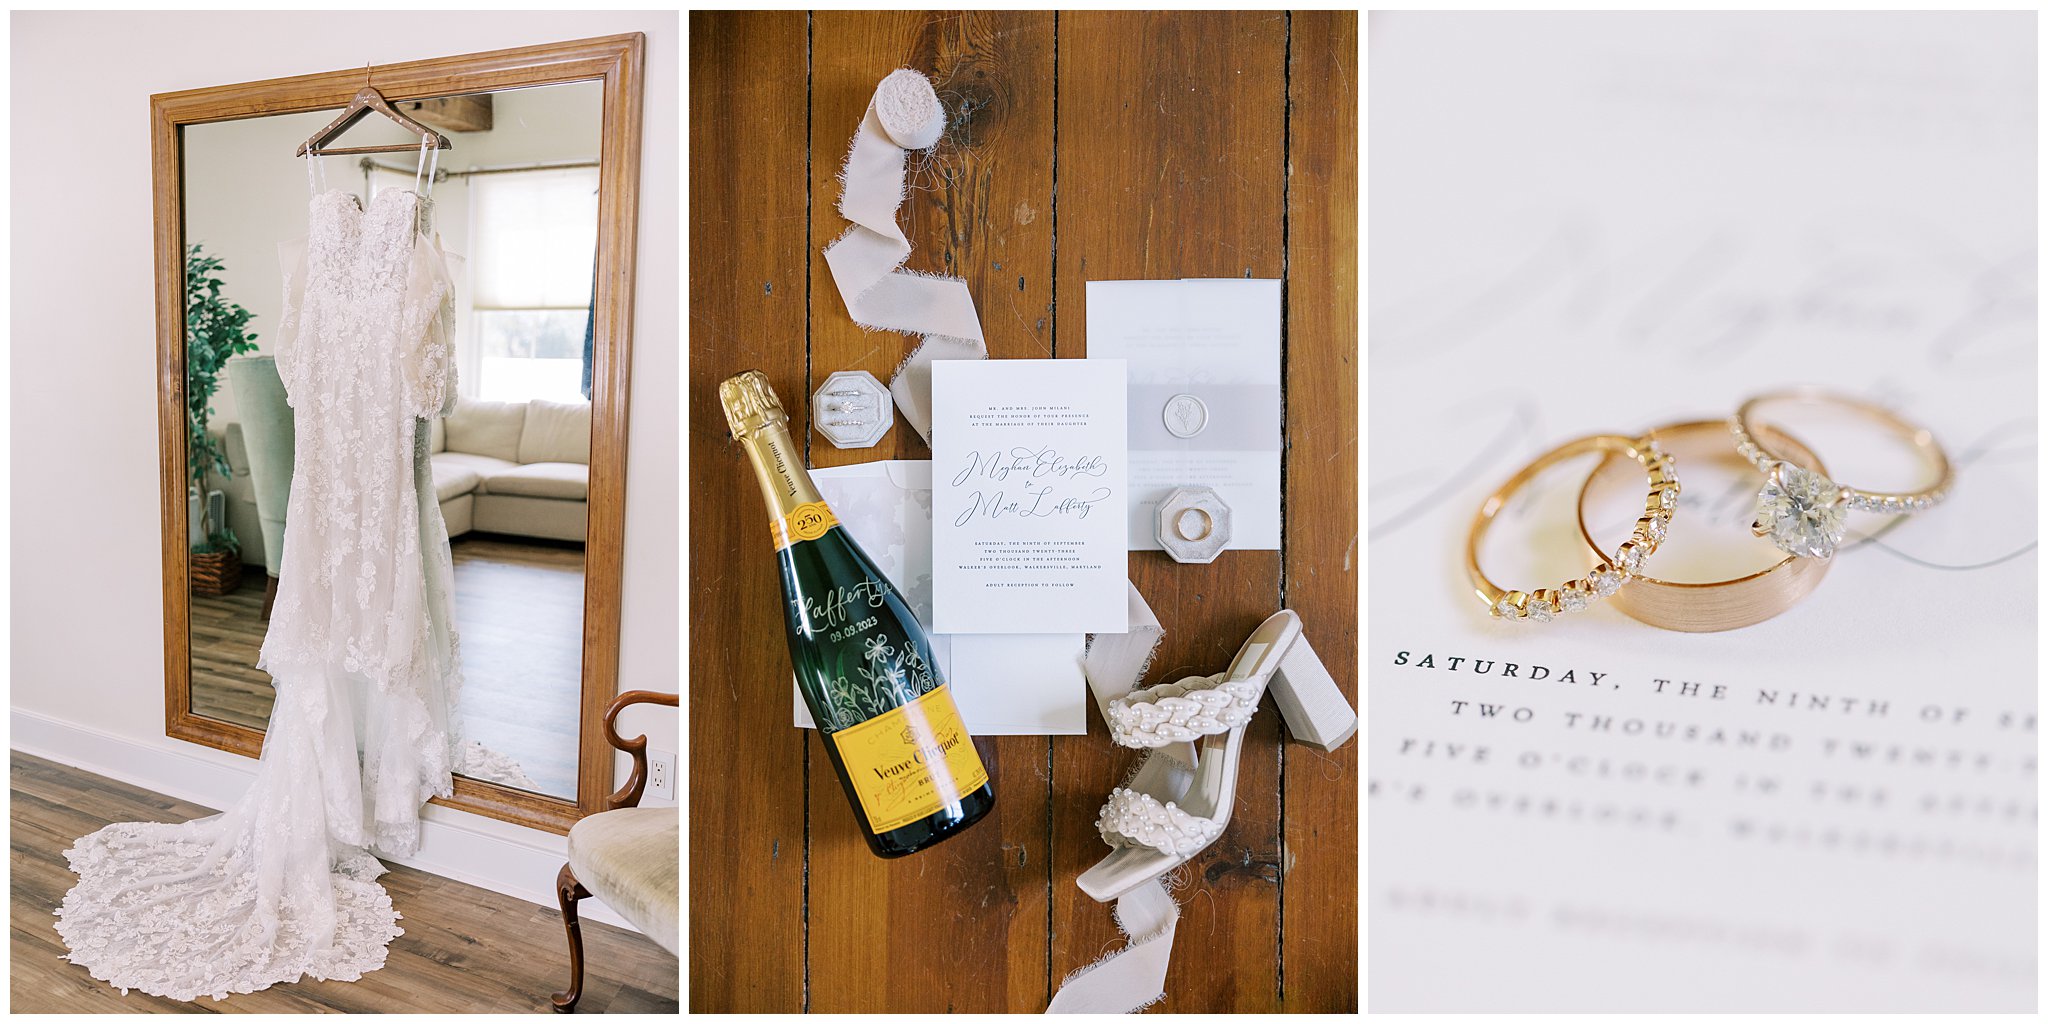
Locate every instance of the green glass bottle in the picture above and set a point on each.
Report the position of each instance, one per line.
(863, 663)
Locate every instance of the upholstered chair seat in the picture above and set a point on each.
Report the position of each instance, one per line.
(625, 855)
(627, 858)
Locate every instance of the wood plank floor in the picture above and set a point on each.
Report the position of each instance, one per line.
(1079, 147)
(519, 615)
(465, 949)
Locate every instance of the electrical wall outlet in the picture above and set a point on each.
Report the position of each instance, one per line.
(661, 774)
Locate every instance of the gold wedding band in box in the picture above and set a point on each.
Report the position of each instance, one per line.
(1798, 509)
(1193, 525)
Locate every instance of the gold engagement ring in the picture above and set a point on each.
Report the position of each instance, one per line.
(1803, 512)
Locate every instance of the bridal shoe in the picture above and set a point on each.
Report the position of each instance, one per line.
(1176, 805)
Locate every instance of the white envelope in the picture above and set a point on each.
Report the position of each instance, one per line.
(1204, 365)
(1005, 685)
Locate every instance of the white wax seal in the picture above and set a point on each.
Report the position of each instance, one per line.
(1185, 415)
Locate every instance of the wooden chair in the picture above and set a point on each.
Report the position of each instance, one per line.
(626, 855)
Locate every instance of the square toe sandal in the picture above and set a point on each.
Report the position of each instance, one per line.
(1171, 811)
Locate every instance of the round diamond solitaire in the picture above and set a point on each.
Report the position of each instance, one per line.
(1800, 511)
(1803, 512)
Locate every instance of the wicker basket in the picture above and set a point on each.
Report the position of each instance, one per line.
(215, 573)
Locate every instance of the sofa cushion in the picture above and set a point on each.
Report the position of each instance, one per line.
(556, 432)
(437, 435)
(486, 428)
(565, 481)
(459, 513)
(627, 858)
(453, 479)
(484, 465)
(521, 516)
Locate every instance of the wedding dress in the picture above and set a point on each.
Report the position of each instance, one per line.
(361, 649)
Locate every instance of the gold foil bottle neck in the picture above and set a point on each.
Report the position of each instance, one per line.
(750, 403)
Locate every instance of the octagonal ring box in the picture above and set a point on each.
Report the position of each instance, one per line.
(1193, 525)
(852, 409)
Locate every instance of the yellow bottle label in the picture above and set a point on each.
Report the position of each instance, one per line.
(908, 762)
(807, 521)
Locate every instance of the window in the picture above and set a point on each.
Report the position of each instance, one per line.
(533, 252)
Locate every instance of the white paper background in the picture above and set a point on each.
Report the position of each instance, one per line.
(1603, 222)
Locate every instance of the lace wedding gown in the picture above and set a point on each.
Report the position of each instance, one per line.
(361, 649)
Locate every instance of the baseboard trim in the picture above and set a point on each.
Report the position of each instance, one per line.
(489, 854)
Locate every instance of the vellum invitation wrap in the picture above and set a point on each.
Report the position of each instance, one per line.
(1204, 358)
(1831, 810)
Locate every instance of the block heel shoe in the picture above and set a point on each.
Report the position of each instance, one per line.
(1180, 799)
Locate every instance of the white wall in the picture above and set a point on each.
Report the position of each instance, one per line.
(87, 647)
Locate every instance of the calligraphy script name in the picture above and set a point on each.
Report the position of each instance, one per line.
(832, 610)
(1030, 476)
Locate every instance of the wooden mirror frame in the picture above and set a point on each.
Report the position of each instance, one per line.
(617, 61)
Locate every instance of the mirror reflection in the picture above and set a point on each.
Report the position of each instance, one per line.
(515, 200)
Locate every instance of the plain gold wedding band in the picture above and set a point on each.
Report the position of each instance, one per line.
(1724, 604)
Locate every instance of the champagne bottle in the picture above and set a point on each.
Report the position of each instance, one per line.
(863, 663)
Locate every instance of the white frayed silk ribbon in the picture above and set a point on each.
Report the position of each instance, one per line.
(1134, 977)
(867, 261)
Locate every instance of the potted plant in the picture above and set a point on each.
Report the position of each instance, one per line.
(215, 331)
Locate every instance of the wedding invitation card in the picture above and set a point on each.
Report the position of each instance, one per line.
(1028, 490)
(1204, 357)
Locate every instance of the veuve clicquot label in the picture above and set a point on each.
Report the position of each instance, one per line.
(910, 762)
(863, 662)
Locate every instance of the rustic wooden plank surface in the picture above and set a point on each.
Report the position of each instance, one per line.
(465, 949)
(971, 211)
(748, 236)
(1168, 157)
(1319, 889)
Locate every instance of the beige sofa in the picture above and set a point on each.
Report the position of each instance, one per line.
(520, 468)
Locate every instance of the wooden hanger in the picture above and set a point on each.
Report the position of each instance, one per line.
(365, 101)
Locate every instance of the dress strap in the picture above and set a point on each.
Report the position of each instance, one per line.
(430, 160)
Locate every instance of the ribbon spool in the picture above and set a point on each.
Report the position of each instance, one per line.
(909, 109)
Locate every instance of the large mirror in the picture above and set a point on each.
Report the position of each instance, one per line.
(527, 466)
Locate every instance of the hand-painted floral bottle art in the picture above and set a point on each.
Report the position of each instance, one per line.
(863, 663)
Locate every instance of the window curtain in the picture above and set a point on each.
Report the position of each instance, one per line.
(589, 329)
